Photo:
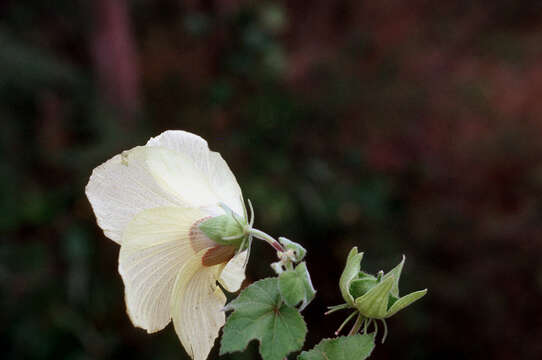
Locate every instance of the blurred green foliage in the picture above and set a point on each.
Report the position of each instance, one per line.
(397, 127)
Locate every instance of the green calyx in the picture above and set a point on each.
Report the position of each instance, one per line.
(375, 297)
(227, 229)
(232, 229)
(223, 230)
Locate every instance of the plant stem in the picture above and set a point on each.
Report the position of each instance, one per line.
(332, 309)
(267, 238)
(344, 323)
(357, 325)
(385, 330)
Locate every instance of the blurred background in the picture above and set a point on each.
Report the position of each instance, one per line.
(400, 127)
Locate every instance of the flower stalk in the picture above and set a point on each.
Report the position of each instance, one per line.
(258, 234)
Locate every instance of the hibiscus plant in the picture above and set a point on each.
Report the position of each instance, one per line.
(185, 234)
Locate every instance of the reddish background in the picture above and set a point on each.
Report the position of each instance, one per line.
(396, 126)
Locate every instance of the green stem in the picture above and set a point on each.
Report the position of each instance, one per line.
(332, 309)
(267, 238)
(366, 326)
(344, 323)
(357, 325)
(385, 330)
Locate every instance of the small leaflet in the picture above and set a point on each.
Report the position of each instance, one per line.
(295, 286)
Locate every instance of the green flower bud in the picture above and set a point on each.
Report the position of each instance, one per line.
(296, 250)
(375, 297)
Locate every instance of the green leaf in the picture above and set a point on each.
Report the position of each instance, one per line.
(355, 347)
(260, 314)
(295, 286)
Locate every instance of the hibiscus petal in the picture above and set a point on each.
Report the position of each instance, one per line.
(197, 307)
(211, 164)
(155, 245)
(122, 187)
(233, 274)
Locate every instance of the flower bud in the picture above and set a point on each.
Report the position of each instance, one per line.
(375, 297)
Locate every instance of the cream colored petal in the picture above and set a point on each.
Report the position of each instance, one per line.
(155, 245)
(209, 163)
(233, 274)
(197, 307)
(176, 173)
(122, 187)
(166, 224)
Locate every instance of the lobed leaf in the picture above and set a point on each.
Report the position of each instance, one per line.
(354, 347)
(260, 314)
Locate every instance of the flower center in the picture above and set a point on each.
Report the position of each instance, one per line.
(216, 254)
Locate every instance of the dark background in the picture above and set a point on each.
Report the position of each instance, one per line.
(401, 127)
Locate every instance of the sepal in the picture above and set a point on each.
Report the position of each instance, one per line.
(351, 271)
(224, 230)
(298, 252)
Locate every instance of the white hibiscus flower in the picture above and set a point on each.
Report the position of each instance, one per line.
(151, 200)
